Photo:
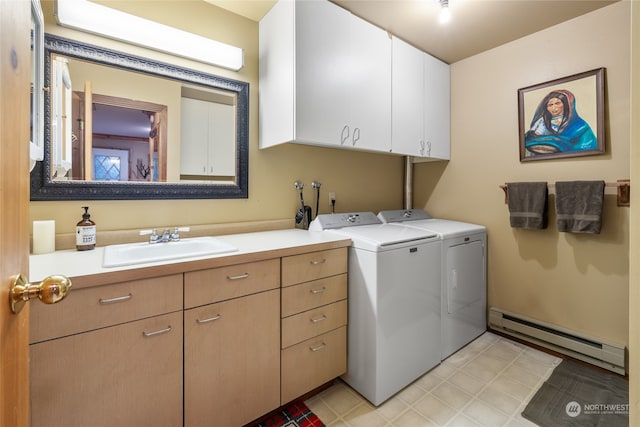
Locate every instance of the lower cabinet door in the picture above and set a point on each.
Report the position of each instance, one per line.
(125, 375)
(232, 360)
(311, 363)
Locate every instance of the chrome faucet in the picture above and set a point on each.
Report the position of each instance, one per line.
(166, 236)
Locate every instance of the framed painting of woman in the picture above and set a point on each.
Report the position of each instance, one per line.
(563, 117)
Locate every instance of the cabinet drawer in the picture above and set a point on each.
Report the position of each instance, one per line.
(114, 376)
(92, 308)
(314, 265)
(309, 295)
(219, 284)
(313, 322)
(312, 363)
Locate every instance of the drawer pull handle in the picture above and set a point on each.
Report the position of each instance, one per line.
(318, 347)
(239, 276)
(161, 331)
(210, 319)
(318, 319)
(104, 301)
(318, 291)
(318, 261)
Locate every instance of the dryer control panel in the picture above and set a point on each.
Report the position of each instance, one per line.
(402, 215)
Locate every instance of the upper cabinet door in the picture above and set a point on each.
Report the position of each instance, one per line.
(322, 68)
(325, 78)
(370, 86)
(407, 107)
(420, 117)
(437, 114)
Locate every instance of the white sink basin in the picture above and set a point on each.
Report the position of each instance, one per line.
(138, 253)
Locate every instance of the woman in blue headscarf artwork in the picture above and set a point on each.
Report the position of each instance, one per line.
(556, 126)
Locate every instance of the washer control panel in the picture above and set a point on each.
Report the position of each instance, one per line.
(340, 220)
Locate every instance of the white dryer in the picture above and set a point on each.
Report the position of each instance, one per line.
(464, 274)
(394, 302)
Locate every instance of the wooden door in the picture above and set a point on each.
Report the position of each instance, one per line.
(119, 376)
(88, 131)
(232, 349)
(15, 70)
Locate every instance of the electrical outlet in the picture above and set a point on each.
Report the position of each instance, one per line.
(332, 197)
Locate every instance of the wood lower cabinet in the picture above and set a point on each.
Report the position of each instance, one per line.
(314, 319)
(313, 362)
(124, 375)
(214, 347)
(110, 355)
(232, 347)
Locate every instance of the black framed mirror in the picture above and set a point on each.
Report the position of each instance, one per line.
(48, 183)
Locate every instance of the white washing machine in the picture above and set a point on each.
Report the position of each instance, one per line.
(464, 274)
(394, 302)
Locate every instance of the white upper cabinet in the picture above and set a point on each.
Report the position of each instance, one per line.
(407, 108)
(420, 104)
(207, 138)
(437, 108)
(324, 78)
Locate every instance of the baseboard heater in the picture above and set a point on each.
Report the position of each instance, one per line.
(597, 352)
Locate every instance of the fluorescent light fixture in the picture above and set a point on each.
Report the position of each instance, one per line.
(93, 18)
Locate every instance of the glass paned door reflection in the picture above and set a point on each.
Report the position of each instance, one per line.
(110, 165)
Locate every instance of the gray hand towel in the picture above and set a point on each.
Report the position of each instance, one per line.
(527, 204)
(579, 206)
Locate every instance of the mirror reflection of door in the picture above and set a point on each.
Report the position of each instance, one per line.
(207, 134)
(120, 125)
(110, 164)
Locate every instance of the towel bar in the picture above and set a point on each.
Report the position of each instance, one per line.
(623, 186)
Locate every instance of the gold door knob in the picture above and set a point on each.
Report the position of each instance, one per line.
(51, 290)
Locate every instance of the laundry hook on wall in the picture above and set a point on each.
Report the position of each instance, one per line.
(299, 185)
(316, 185)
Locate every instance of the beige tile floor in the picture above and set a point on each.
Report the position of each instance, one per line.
(487, 383)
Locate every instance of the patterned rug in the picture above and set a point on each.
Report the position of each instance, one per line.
(296, 414)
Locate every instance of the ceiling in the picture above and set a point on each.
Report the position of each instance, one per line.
(475, 25)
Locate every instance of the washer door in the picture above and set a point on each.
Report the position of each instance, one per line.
(465, 275)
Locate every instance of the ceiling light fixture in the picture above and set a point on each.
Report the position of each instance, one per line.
(445, 14)
(97, 19)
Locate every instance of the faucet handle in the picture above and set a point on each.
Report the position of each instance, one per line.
(153, 234)
(175, 236)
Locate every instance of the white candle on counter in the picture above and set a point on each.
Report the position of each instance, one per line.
(44, 237)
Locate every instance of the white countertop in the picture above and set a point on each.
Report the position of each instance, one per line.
(74, 263)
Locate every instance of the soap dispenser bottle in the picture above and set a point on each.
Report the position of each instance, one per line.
(85, 232)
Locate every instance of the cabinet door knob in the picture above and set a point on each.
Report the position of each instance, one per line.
(318, 291)
(161, 331)
(344, 135)
(210, 319)
(50, 291)
(318, 261)
(104, 301)
(238, 277)
(318, 347)
(356, 136)
(318, 319)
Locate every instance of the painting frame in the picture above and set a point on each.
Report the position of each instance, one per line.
(544, 136)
